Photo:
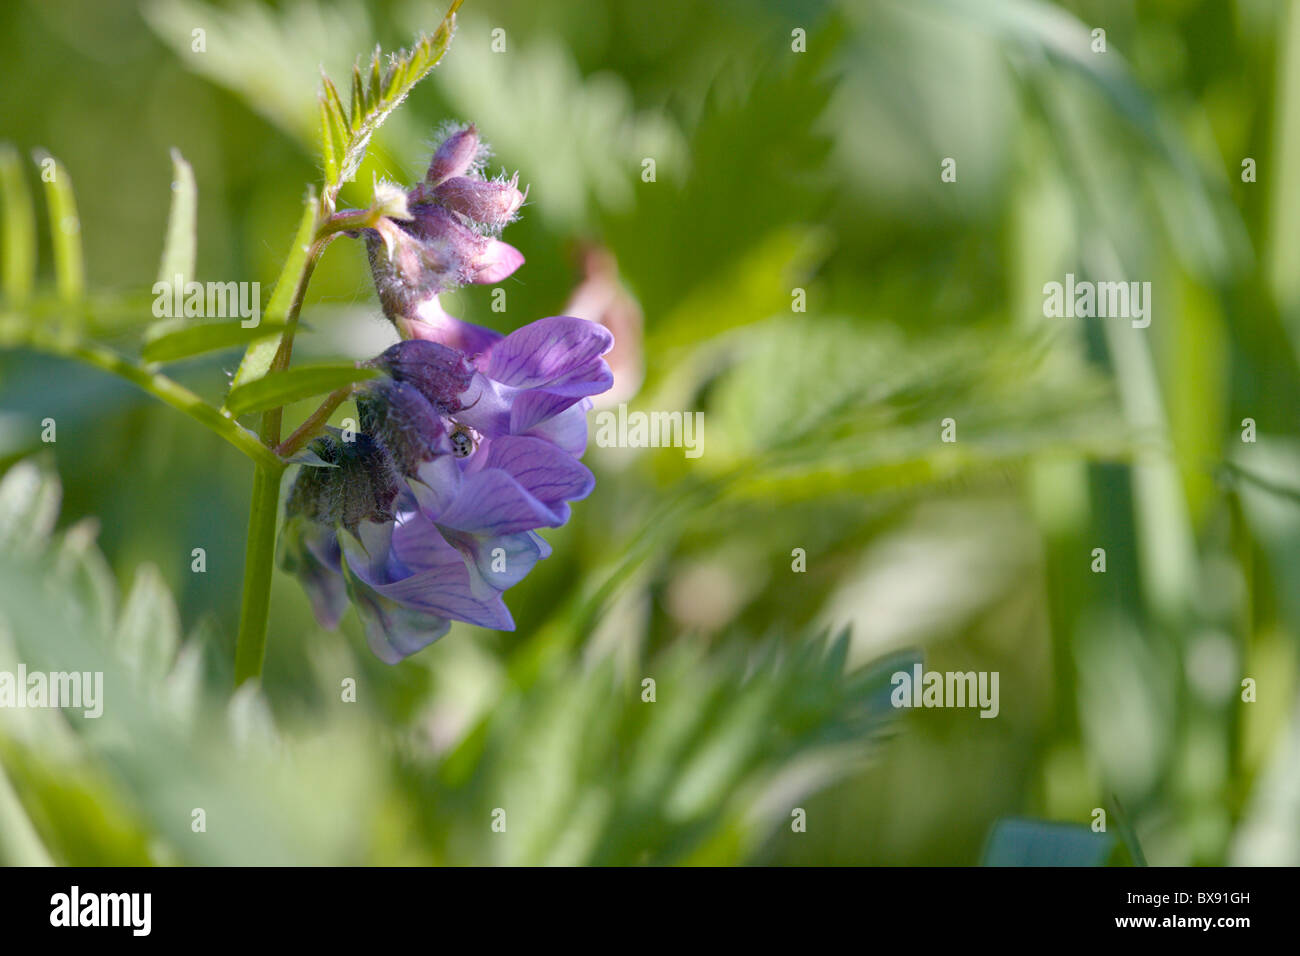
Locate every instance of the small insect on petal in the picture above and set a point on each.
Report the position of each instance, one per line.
(462, 442)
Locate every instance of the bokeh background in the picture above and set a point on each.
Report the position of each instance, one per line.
(775, 171)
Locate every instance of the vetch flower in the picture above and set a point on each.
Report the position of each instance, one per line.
(431, 514)
(450, 239)
(352, 533)
(534, 381)
(467, 445)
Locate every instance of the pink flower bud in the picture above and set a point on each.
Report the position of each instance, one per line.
(455, 156)
(496, 260)
(491, 203)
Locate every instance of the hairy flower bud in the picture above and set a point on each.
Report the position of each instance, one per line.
(454, 156)
(445, 237)
(361, 486)
(404, 421)
(490, 203)
(441, 374)
(413, 261)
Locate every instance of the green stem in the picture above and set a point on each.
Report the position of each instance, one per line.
(165, 390)
(259, 561)
(315, 422)
(259, 551)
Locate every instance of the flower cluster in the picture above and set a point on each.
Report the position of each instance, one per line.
(450, 240)
(469, 442)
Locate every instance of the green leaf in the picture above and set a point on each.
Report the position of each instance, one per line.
(182, 224)
(148, 632)
(117, 790)
(29, 507)
(74, 809)
(292, 385)
(182, 692)
(20, 844)
(19, 228)
(65, 232)
(250, 720)
(376, 90)
(370, 107)
(175, 339)
(1040, 843)
(85, 578)
(329, 157)
(358, 97)
(257, 360)
(702, 775)
(338, 115)
(1127, 833)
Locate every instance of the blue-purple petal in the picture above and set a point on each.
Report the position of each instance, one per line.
(557, 353)
(546, 472)
(492, 502)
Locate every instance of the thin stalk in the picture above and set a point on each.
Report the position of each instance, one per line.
(270, 430)
(259, 562)
(314, 423)
(165, 390)
(259, 551)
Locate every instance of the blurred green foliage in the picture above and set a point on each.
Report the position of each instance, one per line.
(776, 170)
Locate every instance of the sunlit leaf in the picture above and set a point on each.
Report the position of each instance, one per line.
(174, 339)
(182, 225)
(292, 385)
(370, 107)
(257, 359)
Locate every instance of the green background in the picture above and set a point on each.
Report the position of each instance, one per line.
(776, 170)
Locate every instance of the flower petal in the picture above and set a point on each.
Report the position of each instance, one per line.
(567, 430)
(393, 631)
(486, 406)
(558, 353)
(436, 485)
(498, 260)
(454, 155)
(535, 406)
(428, 575)
(491, 502)
(430, 322)
(549, 474)
(500, 562)
(311, 552)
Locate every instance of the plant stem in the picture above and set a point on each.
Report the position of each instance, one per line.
(315, 422)
(259, 551)
(259, 561)
(270, 430)
(165, 390)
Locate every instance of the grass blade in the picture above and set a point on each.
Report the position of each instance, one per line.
(19, 229)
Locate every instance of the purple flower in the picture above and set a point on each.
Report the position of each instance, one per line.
(467, 446)
(534, 381)
(451, 238)
(432, 512)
